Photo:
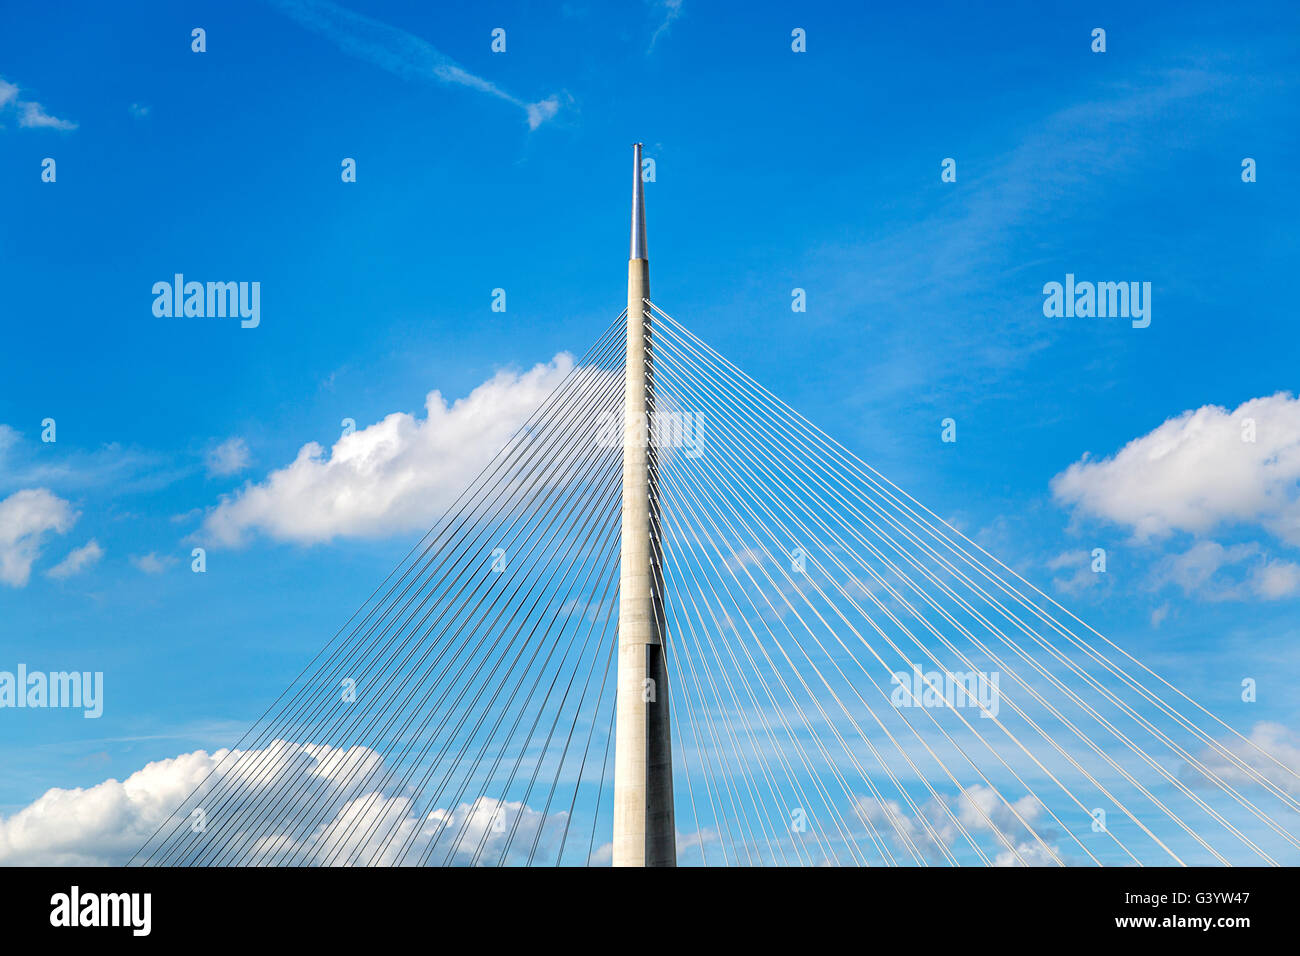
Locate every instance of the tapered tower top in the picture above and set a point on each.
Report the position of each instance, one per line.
(638, 206)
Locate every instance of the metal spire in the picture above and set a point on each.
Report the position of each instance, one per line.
(638, 206)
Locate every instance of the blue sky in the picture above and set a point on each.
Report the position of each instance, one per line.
(774, 171)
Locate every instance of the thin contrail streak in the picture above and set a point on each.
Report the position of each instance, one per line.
(401, 53)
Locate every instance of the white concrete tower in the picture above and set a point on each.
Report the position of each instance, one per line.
(644, 829)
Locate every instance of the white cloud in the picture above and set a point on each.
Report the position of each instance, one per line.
(1274, 580)
(1193, 569)
(1080, 576)
(30, 113)
(1203, 471)
(1212, 572)
(1027, 854)
(1159, 614)
(393, 476)
(980, 811)
(1007, 820)
(1279, 746)
(399, 52)
(387, 830)
(229, 458)
(105, 824)
(25, 518)
(25, 464)
(34, 117)
(1195, 473)
(541, 111)
(603, 855)
(980, 806)
(152, 563)
(78, 560)
(671, 10)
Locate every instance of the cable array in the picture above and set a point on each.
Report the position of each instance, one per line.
(857, 682)
(851, 680)
(457, 717)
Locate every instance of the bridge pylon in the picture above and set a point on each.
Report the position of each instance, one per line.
(644, 828)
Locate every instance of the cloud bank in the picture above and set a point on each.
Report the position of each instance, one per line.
(106, 824)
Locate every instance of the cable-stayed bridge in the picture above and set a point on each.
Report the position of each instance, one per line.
(673, 621)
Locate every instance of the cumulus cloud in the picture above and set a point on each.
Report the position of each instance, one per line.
(26, 517)
(228, 458)
(393, 476)
(106, 824)
(1204, 471)
(1199, 471)
(78, 560)
(1028, 854)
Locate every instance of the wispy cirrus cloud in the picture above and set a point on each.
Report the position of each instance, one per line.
(152, 563)
(953, 257)
(104, 824)
(401, 53)
(78, 560)
(26, 463)
(671, 10)
(31, 115)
